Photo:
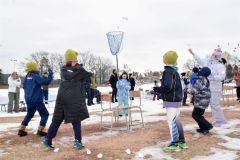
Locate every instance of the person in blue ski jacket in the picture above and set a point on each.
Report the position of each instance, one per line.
(34, 98)
(123, 87)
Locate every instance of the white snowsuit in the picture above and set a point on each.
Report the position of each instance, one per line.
(217, 76)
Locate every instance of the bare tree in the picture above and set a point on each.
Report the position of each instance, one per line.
(126, 68)
(106, 69)
(88, 60)
(234, 59)
(101, 66)
(38, 56)
(103, 69)
(55, 60)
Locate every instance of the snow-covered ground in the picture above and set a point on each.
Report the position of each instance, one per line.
(233, 144)
(150, 108)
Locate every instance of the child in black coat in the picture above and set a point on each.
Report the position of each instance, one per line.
(171, 91)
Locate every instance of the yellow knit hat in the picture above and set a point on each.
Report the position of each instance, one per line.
(170, 57)
(71, 55)
(31, 66)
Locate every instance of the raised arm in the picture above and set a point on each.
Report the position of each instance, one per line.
(44, 81)
(198, 59)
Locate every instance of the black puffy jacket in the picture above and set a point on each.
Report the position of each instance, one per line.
(70, 103)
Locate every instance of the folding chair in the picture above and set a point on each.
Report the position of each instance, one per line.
(135, 107)
(106, 100)
(142, 92)
(227, 95)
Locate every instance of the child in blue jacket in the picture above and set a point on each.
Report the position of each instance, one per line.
(123, 87)
(34, 98)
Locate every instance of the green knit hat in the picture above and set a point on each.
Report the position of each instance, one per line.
(31, 66)
(170, 57)
(71, 55)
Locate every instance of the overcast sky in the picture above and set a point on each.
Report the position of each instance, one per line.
(153, 27)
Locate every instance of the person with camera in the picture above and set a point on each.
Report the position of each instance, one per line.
(14, 83)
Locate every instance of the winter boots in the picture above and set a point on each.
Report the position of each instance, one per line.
(176, 147)
(172, 147)
(205, 131)
(41, 131)
(48, 143)
(21, 131)
(78, 144)
(183, 145)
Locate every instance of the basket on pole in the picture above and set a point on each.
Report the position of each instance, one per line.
(115, 41)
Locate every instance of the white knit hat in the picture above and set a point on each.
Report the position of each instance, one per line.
(217, 53)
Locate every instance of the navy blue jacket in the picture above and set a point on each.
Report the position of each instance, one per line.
(171, 87)
(87, 84)
(32, 87)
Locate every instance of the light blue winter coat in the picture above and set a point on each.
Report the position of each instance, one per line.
(123, 87)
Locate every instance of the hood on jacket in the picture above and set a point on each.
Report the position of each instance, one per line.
(74, 72)
(205, 72)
